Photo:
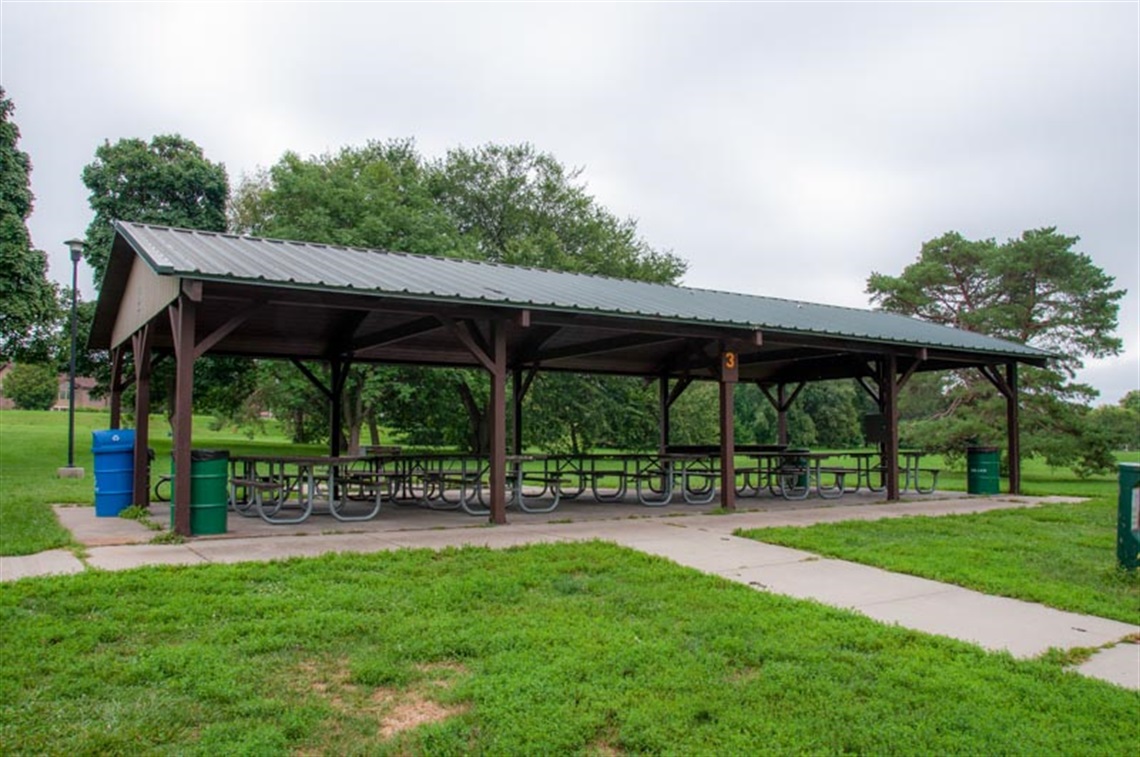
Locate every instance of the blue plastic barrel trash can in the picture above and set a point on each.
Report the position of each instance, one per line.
(114, 452)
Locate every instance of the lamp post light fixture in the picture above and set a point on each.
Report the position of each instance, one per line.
(76, 248)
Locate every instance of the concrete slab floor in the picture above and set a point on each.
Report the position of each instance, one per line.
(751, 513)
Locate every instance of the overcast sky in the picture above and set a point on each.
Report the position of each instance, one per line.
(782, 149)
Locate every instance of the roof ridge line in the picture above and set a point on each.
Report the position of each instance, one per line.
(416, 255)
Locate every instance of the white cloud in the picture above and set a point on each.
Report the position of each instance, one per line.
(784, 149)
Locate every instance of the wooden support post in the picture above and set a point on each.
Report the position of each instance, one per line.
(1007, 387)
(521, 387)
(668, 397)
(117, 387)
(516, 415)
(339, 371)
(889, 397)
(781, 402)
(781, 415)
(141, 346)
(729, 375)
(1013, 429)
(498, 422)
(183, 410)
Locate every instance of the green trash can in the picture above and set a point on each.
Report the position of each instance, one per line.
(983, 470)
(1128, 517)
(209, 491)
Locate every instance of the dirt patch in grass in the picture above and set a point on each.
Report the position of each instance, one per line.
(443, 673)
(605, 743)
(604, 749)
(396, 709)
(744, 675)
(412, 711)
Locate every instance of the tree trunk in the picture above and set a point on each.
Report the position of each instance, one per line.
(353, 400)
(478, 432)
(373, 428)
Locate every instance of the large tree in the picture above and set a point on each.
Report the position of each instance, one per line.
(508, 204)
(27, 298)
(523, 207)
(374, 196)
(167, 181)
(1119, 424)
(1035, 289)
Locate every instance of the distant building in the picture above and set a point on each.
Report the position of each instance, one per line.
(84, 386)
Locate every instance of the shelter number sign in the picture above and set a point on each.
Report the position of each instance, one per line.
(729, 366)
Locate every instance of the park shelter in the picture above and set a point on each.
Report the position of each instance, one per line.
(182, 293)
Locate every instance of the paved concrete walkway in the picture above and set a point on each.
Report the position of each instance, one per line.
(701, 541)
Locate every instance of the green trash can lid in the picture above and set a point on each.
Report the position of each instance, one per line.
(205, 455)
(981, 449)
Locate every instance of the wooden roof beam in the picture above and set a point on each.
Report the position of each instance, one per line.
(599, 346)
(395, 334)
(226, 328)
(537, 336)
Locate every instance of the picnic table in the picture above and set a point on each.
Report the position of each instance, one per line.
(789, 473)
(287, 489)
(911, 469)
(441, 480)
(869, 464)
(656, 478)
(577, 472)
(448, 481)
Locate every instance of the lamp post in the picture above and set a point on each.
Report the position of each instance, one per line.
(76, 248)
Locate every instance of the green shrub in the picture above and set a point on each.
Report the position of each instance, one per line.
(32, 386)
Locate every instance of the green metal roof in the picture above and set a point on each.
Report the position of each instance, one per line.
(300, 265)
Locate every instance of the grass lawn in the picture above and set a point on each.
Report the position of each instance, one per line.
(1063, 556)
(34, 444)
(551, 649)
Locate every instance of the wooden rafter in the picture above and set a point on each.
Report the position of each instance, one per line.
(313, 378)
(598, 346)
(395, 334)
(226, 328)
